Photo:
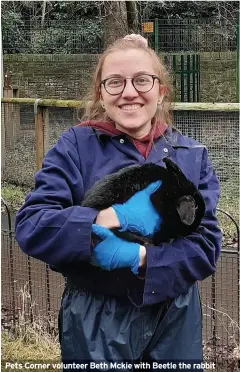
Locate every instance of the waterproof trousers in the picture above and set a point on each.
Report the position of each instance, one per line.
(94, 328)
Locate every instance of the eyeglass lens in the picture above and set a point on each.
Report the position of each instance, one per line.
(142, 83)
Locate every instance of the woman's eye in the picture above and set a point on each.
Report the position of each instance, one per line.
(115, 82)
(142, 80)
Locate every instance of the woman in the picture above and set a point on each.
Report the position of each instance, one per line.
(122, 302)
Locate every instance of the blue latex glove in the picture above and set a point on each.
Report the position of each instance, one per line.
(138, 214)
(113, 252)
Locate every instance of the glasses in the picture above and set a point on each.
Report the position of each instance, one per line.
(116, 85)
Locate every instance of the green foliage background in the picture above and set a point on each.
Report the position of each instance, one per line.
(27, 29)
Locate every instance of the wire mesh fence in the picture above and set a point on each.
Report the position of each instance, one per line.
(27, 280)
(193, 35)
(30, 290)
(165, 34)
(218, 130)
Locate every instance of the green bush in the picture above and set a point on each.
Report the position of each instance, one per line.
(14, 196)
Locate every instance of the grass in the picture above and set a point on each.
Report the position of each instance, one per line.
(13, 195)
(229, 198)
(29, 341)
(34, 347)
(229, 202)
(225, 354)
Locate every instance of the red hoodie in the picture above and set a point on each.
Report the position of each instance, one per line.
(143, 145)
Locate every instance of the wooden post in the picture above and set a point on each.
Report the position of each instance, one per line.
(3, 139)
(39, 134)
(8, 119)
(46, 130)
(3, 134)
(11, 118)
(16, 117)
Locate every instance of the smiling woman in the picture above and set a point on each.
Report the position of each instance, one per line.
(125, 300)
(127, 60)
(131, 109)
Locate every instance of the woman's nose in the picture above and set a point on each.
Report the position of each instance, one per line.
(129, 90)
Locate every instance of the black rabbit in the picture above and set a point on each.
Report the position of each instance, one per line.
(177, 200)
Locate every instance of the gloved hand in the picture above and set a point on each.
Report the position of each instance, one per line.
(113, 252)
(138, 214)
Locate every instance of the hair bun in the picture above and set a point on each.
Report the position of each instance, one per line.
(138, 38)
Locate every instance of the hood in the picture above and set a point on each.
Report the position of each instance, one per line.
(143, 145)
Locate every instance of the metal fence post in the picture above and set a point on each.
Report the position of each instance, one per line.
(156, 35)
(182, 79)
(198, 78)
(238, 60)
(189, 73)
(11, 261)
(189, 79)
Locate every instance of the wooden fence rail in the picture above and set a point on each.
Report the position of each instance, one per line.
(11, 121)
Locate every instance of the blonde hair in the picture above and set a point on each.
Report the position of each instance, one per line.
(94, 110)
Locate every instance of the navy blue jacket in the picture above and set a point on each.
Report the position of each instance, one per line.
(53, 227)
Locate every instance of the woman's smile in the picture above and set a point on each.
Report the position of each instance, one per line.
(131, 107)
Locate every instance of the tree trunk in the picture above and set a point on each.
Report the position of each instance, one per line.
(132, 17)
(43, 12)
(116, 22)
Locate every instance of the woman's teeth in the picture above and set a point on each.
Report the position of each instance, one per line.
(130, 107)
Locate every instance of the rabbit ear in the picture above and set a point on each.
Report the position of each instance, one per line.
(176, 174)
(172, 167)
(186, 209)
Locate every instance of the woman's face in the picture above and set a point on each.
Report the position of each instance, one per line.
(132, 111)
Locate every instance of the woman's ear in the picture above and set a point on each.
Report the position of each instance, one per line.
(101, 98)
(101, 101)
(162, 92)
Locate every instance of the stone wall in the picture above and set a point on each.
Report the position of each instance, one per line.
(218, 76)
(50, 76)
(69, 76)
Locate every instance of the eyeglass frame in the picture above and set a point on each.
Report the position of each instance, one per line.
(154, 77)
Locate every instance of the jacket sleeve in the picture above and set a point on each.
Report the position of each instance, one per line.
(51, 225)
(172, 268)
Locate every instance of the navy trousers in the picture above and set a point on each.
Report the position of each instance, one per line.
(94, 328)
